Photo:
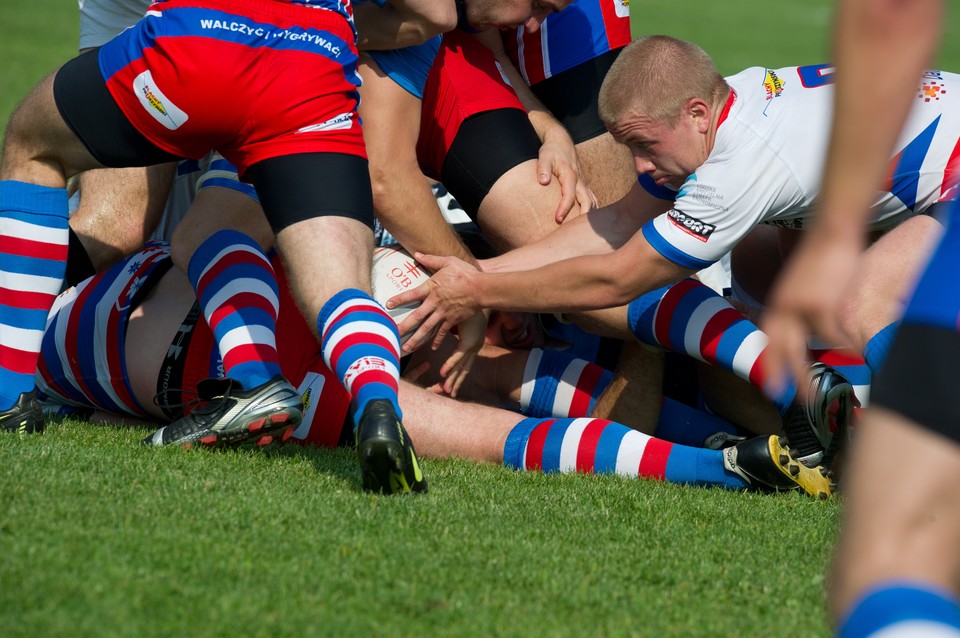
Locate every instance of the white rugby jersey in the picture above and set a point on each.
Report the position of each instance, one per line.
(767, 162)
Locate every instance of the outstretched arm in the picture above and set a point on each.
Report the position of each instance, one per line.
(591, 282)
(599, 232)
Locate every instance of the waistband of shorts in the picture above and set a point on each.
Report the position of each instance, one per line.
(305, 16)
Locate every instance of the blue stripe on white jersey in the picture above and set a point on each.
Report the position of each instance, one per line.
(906, 176)
(670, 251)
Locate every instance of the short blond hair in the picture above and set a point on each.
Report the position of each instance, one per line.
(655, 76)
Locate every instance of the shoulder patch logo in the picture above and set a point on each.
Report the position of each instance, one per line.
(773, 86)
(932, 87)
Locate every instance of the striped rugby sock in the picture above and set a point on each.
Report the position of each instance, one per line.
(238, 293)
(559, 384)
(597, 446)
(690, 318)
(903, 609)
(33, 262)
(852, 366)
(361, 345)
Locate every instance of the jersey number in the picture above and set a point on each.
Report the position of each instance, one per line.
(815, 75)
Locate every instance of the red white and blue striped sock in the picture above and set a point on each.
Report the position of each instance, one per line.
(238, 293)
(899, 609)
(556, 383)
(852, 366)
(689, 317)
(597, 446)
(33, 262)
(361, 345)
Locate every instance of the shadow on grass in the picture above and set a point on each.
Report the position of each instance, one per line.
(339, 463)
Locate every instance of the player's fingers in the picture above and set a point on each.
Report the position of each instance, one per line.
(423, 333)
(786, 354)
(433, 262)
(442, 333)
(459, 375)
(413, 373)
(568, 196)
(420, 293)
(416, 317)
(586, 198)
(544, 172)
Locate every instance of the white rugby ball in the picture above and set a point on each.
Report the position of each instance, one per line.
(395, 271)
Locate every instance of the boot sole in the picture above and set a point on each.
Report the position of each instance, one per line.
(816, 482)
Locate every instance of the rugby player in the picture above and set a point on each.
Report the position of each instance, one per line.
(895, 568)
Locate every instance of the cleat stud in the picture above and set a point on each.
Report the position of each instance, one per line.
(784, 459)
(795, 470)
(256, 426)
(265, 440)
(286, 434)
(209, 440)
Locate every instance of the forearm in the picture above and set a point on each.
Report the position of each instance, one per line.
(576, 238)
(880, 49)
(583, 283)
(599, 232)
(426, 231)
(402, 23)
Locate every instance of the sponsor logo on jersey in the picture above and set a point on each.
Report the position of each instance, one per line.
(337, 123)
(795, 223)
(773, 86)
(931, 90)
(691, 225)
(621, 8)
(156, 103)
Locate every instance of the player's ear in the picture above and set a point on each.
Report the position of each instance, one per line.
(699, 110)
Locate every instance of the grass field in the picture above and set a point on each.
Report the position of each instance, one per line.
(101, 537)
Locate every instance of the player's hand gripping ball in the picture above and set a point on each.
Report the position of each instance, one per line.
(395, 271)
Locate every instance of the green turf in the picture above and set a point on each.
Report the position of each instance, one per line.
(103, 537)
(36, 36)
(100, 537)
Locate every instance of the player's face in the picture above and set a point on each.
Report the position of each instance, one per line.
(503, 14)
(669, 151)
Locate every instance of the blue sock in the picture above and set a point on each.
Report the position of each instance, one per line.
(902, 609)
(875, 352)
(33, 262)
(682, 424)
